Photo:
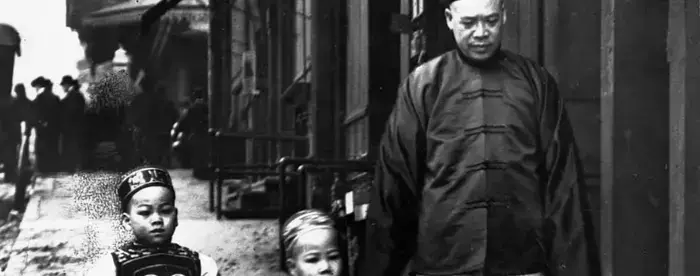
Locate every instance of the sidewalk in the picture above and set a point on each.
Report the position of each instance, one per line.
(71, 220)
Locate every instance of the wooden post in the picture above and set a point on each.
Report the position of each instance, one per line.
(405, 49)
(214, 97)
(607, 107)
(550, 24)
(530, 21)
(635, 123)
(219, 60)
(323, 66)
(271, 20)
(684, 60)
(384, 69)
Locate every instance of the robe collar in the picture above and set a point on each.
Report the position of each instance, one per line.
(491, 63)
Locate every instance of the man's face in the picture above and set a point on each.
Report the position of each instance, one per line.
(66, 87)
(152, 216)
(476, 25)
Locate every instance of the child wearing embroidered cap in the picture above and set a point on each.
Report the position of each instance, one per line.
(148, 211)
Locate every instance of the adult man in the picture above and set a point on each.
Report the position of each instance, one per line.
(47, 106)
(18, 111)
(73, 125)
(478, 170)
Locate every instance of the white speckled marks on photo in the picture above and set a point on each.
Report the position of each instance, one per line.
(78, 221)
(95, 199)
(113, 90)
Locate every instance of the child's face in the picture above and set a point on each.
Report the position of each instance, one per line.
(152, 216)
(316, 253)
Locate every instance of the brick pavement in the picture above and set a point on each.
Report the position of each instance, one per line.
(70, 220)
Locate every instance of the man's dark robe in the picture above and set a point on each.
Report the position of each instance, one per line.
(478, 174)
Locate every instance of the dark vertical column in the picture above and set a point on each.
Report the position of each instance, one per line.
(226, 40)
(284, 63)
(272, 85)
(384, 68)
(684, 60)
(405, 48)
(511, 30)
(215, 54)
(550, 33)
(439, 38)
(530, 23)
(572, 54)
(634, 135)
(341, 39)
(323, 66)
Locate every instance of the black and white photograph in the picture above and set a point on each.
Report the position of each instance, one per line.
(349, 137)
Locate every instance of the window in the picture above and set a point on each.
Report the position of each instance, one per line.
(302, 40)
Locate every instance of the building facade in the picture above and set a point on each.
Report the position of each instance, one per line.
(626, 70)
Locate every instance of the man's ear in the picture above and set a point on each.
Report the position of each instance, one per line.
(448, 18)
(126, 221)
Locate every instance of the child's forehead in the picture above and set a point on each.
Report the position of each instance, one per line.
(317, 238)
(153, 194)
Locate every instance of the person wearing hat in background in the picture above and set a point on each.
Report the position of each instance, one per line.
(73, 124)
(478, 170)
(147, 200)
(12, 117)
(47, 107)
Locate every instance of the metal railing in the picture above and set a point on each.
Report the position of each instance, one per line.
(219, 169)
(304, 166)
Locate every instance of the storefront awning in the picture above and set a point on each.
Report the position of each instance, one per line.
(132, 11)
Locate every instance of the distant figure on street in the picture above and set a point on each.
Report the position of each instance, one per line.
(12, 117)
(148, 204)
(152, 116)
(20, 173)
(478, 170)
(311, 244)
(191, 133)
(18, 111)
(73, 125)
(47, 106)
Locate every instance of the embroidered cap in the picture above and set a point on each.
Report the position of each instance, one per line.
(139, 179)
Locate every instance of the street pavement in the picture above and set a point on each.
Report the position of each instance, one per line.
(72, 219)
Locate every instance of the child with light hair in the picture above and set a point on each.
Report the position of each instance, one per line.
(311, 244)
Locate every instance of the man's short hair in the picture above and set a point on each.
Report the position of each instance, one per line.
(447, 3)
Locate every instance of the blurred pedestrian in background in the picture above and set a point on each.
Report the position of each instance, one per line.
(47, 106)
(73, 125)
